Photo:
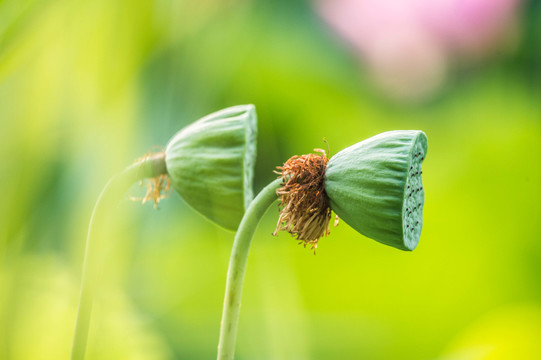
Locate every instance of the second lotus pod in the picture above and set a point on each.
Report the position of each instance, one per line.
(211, 164)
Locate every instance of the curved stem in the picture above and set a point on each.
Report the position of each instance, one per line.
(150, 166)
(237, 268)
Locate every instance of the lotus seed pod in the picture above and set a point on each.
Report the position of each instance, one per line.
(211, 164)
(375, 186)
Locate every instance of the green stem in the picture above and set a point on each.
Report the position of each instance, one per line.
(237, 268)
(113, 191)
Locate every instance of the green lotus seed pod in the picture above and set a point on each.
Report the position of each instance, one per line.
(211, 164)
(375, 186)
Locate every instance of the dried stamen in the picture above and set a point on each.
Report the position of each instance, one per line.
(305, 210)
(158, 188)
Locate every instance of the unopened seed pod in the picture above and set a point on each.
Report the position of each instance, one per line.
(375, 186)
(211, 164)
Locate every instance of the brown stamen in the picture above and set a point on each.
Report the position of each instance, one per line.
(305, 206)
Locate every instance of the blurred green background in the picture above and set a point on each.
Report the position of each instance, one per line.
(86, 87)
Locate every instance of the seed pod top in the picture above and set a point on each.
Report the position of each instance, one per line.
(376, 187)
(211, 164)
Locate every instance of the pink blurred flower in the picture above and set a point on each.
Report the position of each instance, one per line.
(469, 27)
(408, 45)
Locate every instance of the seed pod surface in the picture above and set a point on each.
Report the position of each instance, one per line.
(375, 186)
(211, 164)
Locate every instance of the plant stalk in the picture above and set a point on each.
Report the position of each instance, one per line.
(237, 268)
(149, 166)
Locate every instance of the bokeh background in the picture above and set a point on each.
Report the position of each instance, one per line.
(86, 87)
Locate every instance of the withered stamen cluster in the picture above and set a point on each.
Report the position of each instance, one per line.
(305, 209)
(158, 188)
